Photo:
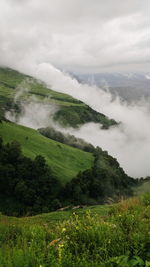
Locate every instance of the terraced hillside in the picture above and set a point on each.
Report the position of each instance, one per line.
(70, 111)
(64, 160)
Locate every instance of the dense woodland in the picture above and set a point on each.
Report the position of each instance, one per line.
(30, 187)
(27, 186)
(106, 179)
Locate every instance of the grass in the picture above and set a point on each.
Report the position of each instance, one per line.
(56, 217)
(142, 188)
(64, 160)
(101, 236)
(11, 81)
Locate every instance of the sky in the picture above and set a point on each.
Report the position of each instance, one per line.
(81, 36)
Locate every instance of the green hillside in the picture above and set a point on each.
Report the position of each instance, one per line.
(64, 160)
(28, 186)
(11, 81)
(142, 187)
(70, 111)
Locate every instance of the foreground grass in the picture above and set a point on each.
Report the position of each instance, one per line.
(64, 160)
(117, 235)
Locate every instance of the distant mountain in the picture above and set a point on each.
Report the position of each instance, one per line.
(129, 86)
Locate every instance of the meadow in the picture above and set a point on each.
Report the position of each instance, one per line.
(115, 235)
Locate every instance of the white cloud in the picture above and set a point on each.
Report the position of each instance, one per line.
(76, 35)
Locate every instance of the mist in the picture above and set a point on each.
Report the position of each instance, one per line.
(33, 113)
(129, 142)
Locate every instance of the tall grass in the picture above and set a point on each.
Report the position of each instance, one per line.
(122, 238)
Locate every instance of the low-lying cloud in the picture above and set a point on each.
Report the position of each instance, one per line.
(33, 114)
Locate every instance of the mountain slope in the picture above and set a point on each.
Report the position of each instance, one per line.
(64, 160)
(23, 88)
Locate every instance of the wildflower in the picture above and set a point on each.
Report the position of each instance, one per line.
(61, 245)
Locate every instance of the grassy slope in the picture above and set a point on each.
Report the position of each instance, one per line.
(10, 79)
(72, 112)
(142, 188)
(65, 161)
(52, 218)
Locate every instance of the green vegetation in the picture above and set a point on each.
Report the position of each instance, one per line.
(11, 81)
(72, 112)
(105, 181)
(67, 139)
(117, 237)
(78, 115)
(142, 187)
(64, 161)
(29, 186)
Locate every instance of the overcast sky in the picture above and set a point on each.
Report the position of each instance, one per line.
(76, 35)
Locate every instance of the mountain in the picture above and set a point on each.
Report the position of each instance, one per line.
(18, 90)
(129, 86)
